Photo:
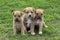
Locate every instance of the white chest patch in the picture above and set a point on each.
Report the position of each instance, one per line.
(38, 21)
(28, 22)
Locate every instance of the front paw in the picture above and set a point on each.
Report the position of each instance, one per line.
(33, 33)
(40, 33)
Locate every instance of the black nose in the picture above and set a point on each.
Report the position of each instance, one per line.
(39, 17)
(29, 15)
(16, 20)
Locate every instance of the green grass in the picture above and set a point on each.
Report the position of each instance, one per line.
(51, 17)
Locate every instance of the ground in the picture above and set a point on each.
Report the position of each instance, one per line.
(51, 17)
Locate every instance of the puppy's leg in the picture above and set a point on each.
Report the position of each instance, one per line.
(14, 30)
(40, 27)
(23, 30)
(32, 30)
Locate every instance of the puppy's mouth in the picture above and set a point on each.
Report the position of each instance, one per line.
(30, 17)
(16, 20)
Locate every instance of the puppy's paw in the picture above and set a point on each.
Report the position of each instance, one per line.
(40, 33)
(32, 33)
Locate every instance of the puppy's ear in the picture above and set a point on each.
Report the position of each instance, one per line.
(43, 11)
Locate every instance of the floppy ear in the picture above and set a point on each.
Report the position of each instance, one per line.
(43, 11)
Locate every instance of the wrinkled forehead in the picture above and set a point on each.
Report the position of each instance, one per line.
(16, 12)
(39, 11)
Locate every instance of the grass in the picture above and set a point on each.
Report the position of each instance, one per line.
(51, 17)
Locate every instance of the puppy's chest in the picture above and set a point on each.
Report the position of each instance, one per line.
(29, 21)
(18, 25)
(38, 21)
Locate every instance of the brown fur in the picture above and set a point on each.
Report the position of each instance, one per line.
(26, 12)
(41, 21)
(18, 22)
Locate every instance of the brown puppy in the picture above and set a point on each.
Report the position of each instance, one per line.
(39, 19)
(18, 22)
(29, 14)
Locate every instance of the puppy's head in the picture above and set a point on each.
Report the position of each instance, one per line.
(30, 12)
(17, 15)
(39, 13)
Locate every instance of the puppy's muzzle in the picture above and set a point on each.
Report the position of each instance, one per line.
(39, 17)
(29, 15)
(16, 20)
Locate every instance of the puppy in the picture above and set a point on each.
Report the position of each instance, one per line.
(39, 19)
(18, 22)
(29, 15)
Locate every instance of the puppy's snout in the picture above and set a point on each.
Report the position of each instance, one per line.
(16, 20)
(29, 15)
(39, 17)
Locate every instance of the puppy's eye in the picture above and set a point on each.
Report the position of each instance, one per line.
(41, 14)
(27, 12)
(18, 15)
(14, 15)
(31, 12)
(36, 13)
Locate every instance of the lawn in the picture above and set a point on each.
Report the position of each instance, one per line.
(51, 17)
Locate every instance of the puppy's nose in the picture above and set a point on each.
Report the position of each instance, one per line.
(39, 17)
(16, 19)
(29, 15)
